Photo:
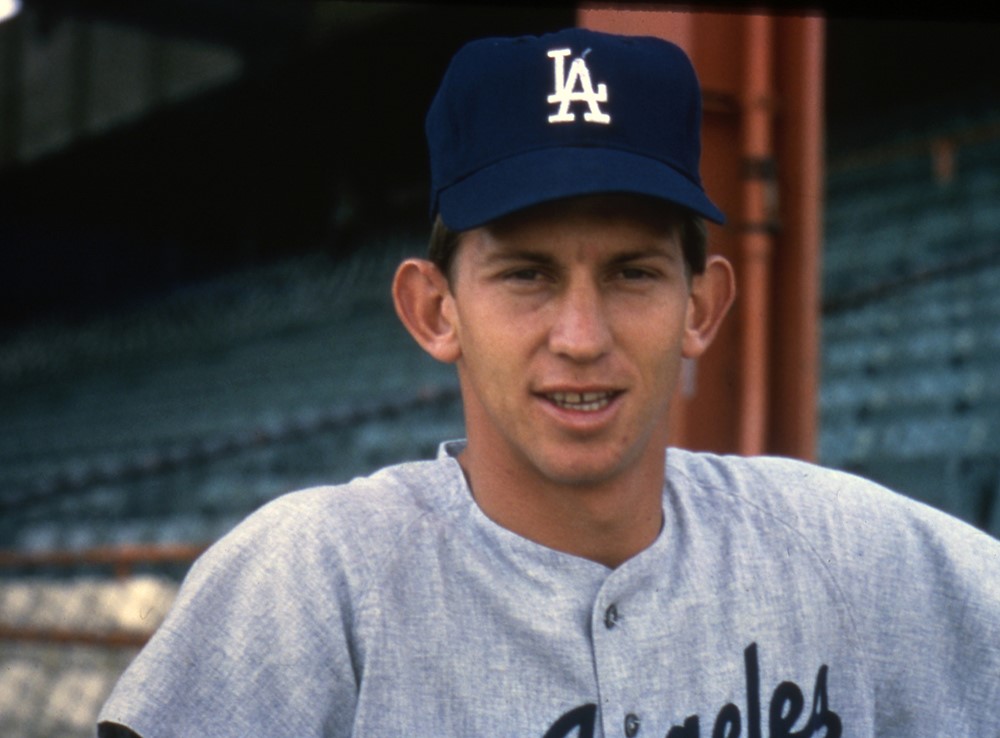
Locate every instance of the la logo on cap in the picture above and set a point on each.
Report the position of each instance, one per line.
(567, 91)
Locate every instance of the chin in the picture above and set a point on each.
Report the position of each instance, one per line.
(596, 464)
(581, 472)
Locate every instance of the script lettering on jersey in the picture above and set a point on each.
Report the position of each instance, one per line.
(581, 719)
(785, 712)
(575, 86)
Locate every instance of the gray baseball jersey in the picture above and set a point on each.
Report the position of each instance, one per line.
(780, 599)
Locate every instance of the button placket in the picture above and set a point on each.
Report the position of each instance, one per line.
(621, 705)
(611, 619)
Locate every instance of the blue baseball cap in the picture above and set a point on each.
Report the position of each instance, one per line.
(521, 121)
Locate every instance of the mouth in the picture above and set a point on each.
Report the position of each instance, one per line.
(583, 402)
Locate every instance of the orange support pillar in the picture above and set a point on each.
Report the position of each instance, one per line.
(795, 372)
(757, 225)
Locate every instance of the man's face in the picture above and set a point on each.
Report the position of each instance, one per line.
(570, 321)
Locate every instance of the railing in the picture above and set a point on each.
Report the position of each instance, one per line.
(121, 560)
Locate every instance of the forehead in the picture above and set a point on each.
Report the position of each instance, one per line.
(631, 220)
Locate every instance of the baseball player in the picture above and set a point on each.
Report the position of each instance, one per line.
(561, 572)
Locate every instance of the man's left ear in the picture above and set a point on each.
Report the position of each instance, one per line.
(712, 294)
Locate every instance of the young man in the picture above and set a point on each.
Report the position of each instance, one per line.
(560, 573)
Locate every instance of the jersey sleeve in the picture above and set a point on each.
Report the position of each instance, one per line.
(258, 641)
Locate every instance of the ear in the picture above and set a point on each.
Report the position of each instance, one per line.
(426, 307)
(712, 294)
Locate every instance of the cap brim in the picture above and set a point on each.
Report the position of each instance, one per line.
(549, 174)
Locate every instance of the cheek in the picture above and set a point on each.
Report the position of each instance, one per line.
(661, 327)
(495, 329)
(489, 360)
(657, 348)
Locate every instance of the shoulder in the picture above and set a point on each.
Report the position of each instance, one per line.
(771, 480)
(389, 497)
(838, 507)
(879, 545)
(341, 531)
(815, 498)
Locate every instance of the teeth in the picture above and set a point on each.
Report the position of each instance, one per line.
(582, 401)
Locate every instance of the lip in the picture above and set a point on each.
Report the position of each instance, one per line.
(578, 408)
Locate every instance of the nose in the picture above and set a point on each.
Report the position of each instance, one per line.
(580, 330)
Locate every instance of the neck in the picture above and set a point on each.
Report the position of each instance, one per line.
(608, 523)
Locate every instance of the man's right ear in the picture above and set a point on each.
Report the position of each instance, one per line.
(425, 304)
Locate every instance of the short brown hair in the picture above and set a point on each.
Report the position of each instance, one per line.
(693, 233)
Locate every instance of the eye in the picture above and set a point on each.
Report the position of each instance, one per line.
(636, 273)
(525, 274)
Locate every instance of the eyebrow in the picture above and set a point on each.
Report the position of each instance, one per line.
(503, 256)
(651, 253)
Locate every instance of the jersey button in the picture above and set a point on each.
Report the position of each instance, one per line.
(631, 725)
(611, 617)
